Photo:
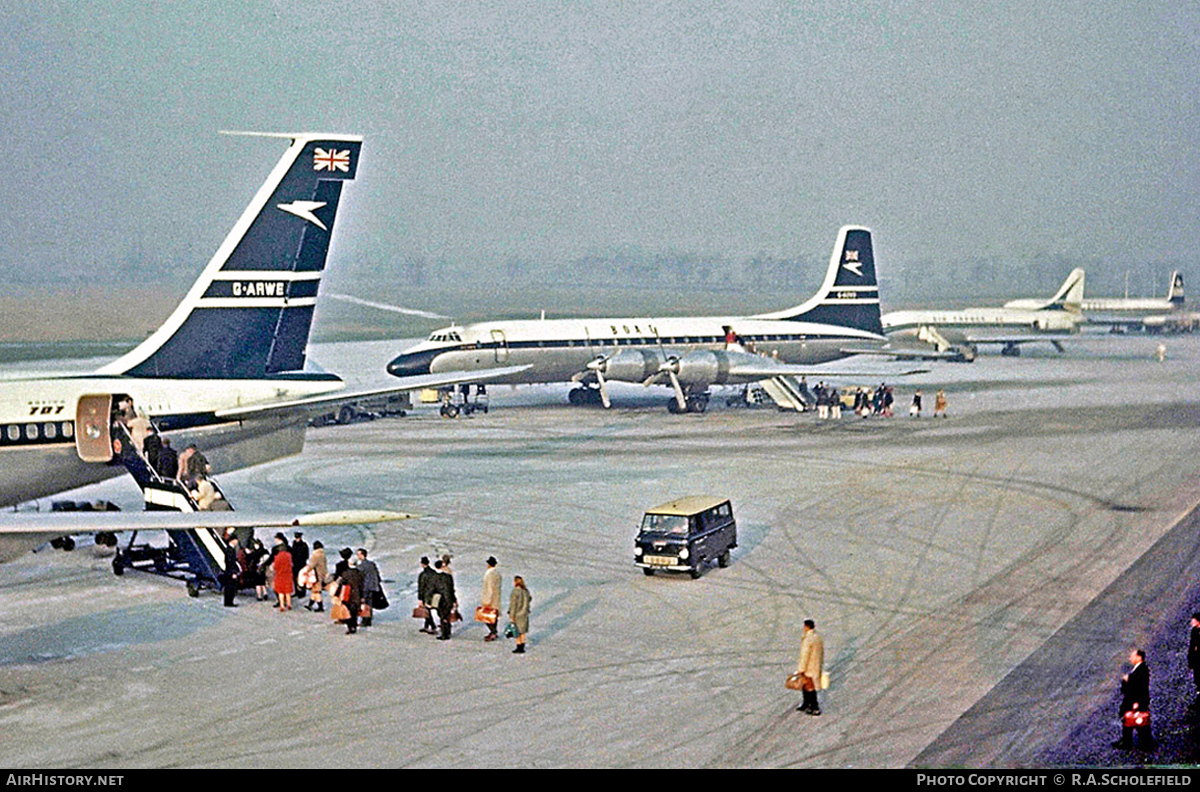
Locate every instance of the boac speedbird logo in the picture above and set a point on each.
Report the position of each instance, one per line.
(852, 263)
(331, 160)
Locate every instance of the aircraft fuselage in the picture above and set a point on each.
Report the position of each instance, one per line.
(558, 349)
(37, 424)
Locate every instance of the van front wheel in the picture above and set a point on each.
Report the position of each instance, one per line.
(648, 571)
(723, 559)
(696, 570)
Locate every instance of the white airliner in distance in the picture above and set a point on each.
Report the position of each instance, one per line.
(1153, 314)
(227, 368)
(688, 353)
(963, 330)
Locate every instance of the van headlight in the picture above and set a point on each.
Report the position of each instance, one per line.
(637, 552)
(683, 554)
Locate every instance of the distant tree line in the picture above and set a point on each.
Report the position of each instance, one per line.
(914, 281)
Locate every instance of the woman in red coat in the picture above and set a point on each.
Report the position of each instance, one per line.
(282, 566)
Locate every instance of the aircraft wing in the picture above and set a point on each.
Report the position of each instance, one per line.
(23, 531)
(327, 402)
(782, 370)
(909, 353)
(1023, 338)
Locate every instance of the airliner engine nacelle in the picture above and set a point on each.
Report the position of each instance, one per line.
(632, 365)
(1059, 321)
(701, 368)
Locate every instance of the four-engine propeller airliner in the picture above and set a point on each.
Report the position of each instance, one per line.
(228, 366)
(688, 353)
(963, 330)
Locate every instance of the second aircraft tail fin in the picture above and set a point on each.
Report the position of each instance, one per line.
(1070, 294)
(1175, 291)
(849, 295)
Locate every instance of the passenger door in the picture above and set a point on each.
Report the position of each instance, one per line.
(501, 346)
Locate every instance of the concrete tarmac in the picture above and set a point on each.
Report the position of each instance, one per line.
(938, 558)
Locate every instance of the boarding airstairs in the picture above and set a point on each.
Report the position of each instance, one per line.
(193, 555)
(788, 393)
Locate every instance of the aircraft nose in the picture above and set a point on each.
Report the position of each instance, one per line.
(409, 365)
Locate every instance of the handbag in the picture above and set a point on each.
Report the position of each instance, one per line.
(794, 682)
(420, 612)
(455, 616)
(339, 612)
(486, 615)
(510, 631)
(1136, 719)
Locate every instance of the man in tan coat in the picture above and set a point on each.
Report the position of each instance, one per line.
(491, 595)
(812, 661)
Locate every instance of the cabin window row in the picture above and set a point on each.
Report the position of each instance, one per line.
(665, 341)
(47, 432)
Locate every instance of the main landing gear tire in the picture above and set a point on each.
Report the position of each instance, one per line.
(449, 410)
(695, 404)
(584, 396)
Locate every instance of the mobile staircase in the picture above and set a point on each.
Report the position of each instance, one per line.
(193, 555)
(788, 393)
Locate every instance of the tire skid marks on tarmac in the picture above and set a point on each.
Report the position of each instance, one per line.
(865, 716)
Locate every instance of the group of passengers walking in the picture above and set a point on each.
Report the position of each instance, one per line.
(292, 571)
(867, 401)
(436, 594)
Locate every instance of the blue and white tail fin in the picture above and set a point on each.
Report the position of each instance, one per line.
(248, 315)
(1175, 292)
(849, 296)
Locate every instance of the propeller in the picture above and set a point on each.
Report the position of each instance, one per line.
(597, 366)
(670, 367)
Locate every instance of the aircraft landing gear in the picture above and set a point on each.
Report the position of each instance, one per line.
(458, 401)
(1011, 350)
(695, 403)
(584, 396)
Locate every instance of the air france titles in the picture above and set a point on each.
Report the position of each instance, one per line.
(259, 289)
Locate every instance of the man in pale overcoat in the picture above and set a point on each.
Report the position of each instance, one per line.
(491, 595)
(812, 662)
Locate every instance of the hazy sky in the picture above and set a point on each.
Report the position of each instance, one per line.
(554, 129)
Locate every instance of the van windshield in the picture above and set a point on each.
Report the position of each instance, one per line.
(670, 524)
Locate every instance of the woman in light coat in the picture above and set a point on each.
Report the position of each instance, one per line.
(320, 568)
(518, 611)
